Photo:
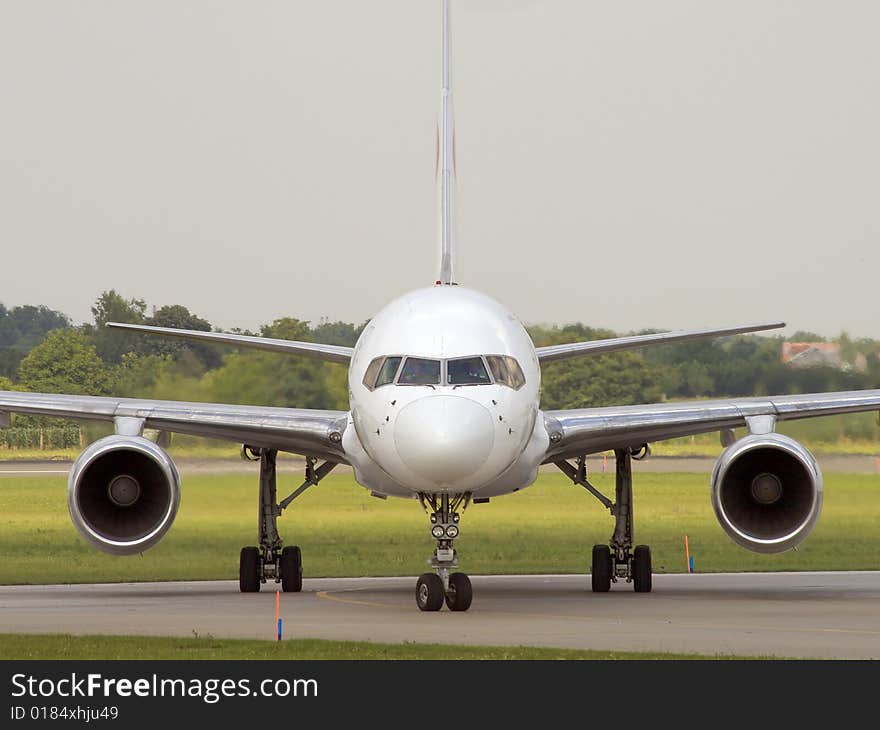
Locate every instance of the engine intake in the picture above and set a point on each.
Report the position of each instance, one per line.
(123, 493)
(767, 492)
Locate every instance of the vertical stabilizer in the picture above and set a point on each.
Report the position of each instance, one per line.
(446, 160)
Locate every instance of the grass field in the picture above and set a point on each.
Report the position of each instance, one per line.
(64, 646)
(549, 527)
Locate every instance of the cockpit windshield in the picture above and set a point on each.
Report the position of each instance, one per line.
(467, 371)
(474, 370)
(419, 371)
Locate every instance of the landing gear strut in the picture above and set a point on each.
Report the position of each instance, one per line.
(271, 559)
(433, 589)
(617, 560)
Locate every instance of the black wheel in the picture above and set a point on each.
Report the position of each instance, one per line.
(602, 568)
(641, 569)
(249, 570)
(291, 569)
(429, 592)
(460, 592)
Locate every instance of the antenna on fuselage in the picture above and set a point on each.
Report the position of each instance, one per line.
(446, 160)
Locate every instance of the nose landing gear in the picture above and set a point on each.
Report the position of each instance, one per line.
(433, 589)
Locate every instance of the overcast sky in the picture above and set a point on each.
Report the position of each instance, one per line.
(629, 165)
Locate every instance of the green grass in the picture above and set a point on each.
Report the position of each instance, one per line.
(64, 646)
(549, 527)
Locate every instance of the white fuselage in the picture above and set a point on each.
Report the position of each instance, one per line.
(461, 429)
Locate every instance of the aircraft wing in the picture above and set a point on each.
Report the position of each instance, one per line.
(588, 430)
(332, 353)
(552, 353)
(297, 430)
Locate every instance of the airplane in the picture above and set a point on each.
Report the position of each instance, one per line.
(444, 395)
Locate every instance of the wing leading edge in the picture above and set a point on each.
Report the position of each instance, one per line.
(297, 430)
(331, 353)
(589, 430)
(553, 353)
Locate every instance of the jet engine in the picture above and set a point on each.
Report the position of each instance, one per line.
(123, 493)
(767, 492)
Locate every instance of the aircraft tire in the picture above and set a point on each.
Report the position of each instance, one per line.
(641, 569)
(249, 570)
(601, 569)
(461, 593)
(291, 569)
(429, 592)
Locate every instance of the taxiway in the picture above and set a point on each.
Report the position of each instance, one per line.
(832, 614)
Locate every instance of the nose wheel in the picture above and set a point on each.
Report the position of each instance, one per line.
(431, 595)
(429, 592)
(444, 586)
(460, 593)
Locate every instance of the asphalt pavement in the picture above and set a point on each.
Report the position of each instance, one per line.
(756, 614)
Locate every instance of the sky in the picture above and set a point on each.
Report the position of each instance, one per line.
(627, 165)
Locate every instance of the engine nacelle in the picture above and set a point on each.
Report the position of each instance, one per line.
(123, 493)
(767, 492)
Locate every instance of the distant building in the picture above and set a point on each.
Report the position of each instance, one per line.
(813, 354)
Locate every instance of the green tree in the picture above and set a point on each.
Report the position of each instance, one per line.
(111, 306)
(806, 336)
(696, 380)
(593, 380)
(65, 362)
(265, 378)
(10, 358)
(620, 379)
(177, 316)
(136, 375)
(24, 327)
(337, 333)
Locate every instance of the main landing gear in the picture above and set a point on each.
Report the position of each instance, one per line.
(433, 589)
(617, 560)
(271, 559)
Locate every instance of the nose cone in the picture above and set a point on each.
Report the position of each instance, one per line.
(444, 438)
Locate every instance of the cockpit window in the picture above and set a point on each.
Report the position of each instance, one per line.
(381, 371)
(372, 372)
(419, 371)
(388, 371)
(506, 371)
(466, 371)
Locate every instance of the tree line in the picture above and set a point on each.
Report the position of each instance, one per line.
(42, 351)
